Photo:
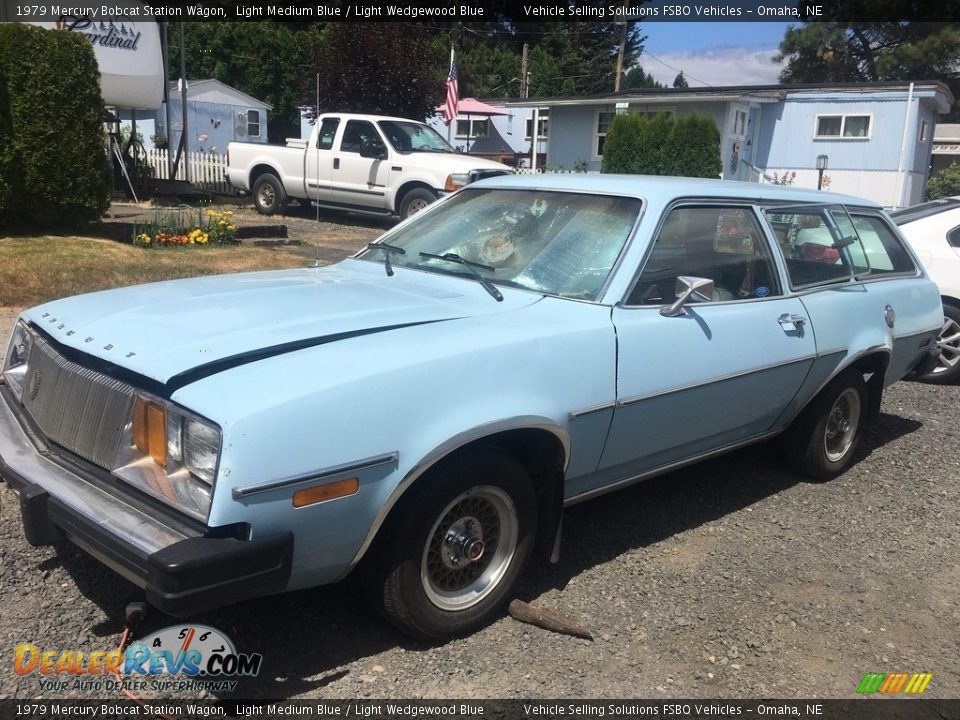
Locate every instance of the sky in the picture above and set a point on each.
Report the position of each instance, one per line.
(712, 53)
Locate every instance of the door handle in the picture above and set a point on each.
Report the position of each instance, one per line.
(336, 163)
(796, 321)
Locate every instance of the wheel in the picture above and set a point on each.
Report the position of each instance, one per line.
(947, 370)
(822, 441)
(414, 201)
(449, 562)
(269, 195)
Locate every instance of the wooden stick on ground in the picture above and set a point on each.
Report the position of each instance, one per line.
(548, 619)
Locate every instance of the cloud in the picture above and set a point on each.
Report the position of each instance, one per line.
(717, 67)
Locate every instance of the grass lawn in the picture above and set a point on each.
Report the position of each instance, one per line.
(34, 270)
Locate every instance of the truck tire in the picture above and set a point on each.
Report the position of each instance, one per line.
(414, 201)
(269, 195)
(947, 371)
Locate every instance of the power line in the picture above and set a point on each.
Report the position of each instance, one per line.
(679, 70)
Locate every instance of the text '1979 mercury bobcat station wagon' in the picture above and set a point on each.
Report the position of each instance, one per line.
(424, 410)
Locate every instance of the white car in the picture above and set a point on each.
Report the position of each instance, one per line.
(933, 230)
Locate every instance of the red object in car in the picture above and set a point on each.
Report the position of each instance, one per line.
(819, 253)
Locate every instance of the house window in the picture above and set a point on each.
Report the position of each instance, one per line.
(924, 129)
(843, 126)
(253, 123)
(604, 120)
(740, 123)
(472, 128)
(543, 127)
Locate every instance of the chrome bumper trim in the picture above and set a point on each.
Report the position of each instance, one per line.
(117, 518)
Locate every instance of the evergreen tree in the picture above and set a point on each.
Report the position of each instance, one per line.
(680, 81)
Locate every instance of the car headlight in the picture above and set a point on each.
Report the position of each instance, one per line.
(456, 181)
(171, 454)
(17, 357)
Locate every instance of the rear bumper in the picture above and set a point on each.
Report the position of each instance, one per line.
(181, 569)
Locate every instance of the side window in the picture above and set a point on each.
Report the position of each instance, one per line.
(884, 252)
(953, 237)
(328, 131)
(356, 134)
(723, 244)
(826, 244)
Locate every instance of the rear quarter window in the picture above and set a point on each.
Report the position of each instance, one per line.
(885, 253)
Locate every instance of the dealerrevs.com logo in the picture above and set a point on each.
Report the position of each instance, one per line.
(179, 657)
(893, 683)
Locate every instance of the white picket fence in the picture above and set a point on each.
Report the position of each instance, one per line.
(208, 171)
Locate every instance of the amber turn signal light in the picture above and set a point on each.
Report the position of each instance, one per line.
(150, 430)
(328, 491)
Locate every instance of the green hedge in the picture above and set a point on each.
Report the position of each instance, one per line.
(53, 165)
(660, 145)
(946, 183)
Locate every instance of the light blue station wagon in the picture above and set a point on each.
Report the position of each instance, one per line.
(424, 410)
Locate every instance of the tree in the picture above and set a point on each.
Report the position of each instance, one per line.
(262, 59)
(680, 81)
(945, 183)
(843, 51)
(621, 144)
(53, 166)
(382, 68)
(636, 78)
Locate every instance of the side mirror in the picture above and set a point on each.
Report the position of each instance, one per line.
(688, 287)
(373, 150)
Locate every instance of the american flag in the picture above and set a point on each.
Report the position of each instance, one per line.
(450, 109)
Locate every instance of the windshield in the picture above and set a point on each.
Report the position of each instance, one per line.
(558, 243)
(415, 137)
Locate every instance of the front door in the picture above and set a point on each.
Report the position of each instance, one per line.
(723, 371)
(356, 180)
(318, 162)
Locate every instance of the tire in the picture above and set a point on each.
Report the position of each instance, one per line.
(414, 201)
(947, 371)
(822, 442)
(269, 195)
(432, 589)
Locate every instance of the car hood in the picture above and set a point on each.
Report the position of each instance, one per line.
(178, 331)
(458, 162)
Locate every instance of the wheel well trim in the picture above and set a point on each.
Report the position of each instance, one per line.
(406, 188)
(263, 168)
(444, 450)
(881, 350)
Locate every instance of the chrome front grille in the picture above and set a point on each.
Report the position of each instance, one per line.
(79, 409)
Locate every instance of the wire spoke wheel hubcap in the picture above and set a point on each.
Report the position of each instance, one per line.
(842, 423)
(469, 548)
(949, 344)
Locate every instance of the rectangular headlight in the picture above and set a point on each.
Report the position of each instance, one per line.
(171, 454)
(17, 357)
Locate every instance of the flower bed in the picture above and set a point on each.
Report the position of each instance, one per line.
(188, 227)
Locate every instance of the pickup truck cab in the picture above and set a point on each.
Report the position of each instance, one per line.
(370, 163)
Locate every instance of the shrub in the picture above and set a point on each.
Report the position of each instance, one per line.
(945, 183)
(53, 166)
(693, 148)
(652, 143)
(621, 144)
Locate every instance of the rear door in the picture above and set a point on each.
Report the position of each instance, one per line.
(859, 284)
(319, 161)
(722, 372)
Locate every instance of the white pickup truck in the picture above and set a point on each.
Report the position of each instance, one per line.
(370, 163)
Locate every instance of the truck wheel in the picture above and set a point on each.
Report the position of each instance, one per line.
(414, 201)
(451, 560)
(822, 441)
(269, 195)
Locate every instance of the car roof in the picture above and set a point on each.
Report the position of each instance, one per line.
(660, 189)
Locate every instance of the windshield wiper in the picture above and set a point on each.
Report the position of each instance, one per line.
(387, 251)
(453, 257)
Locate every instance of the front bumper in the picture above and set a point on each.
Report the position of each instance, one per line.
(182, 570)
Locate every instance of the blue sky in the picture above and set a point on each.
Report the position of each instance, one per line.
(712, 53)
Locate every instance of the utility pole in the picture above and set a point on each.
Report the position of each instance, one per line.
(524, 90)
(623, 47)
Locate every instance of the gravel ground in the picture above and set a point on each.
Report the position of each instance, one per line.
(732, 578)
